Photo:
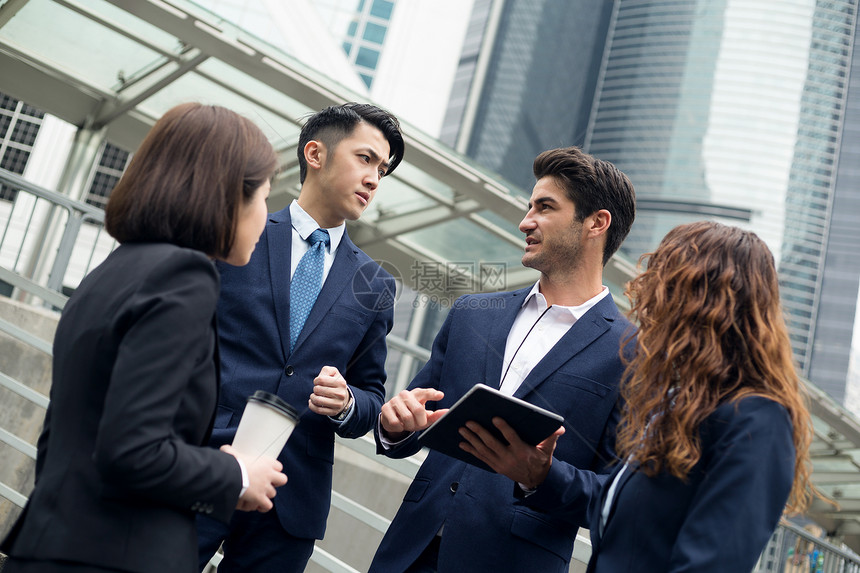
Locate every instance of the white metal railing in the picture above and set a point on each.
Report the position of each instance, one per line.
(366, 447)
(17, 497)
(47, 238)
(793, 549)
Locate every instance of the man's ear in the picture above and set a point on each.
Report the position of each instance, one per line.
(315, 154)
(598, 222)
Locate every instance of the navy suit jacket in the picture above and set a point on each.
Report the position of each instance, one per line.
(487, 528)
(345, 329)
(720, 519)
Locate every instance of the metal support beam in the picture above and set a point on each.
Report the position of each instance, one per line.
(24, 391)
(51, 297)
(9, 9)
(835, 478)
(25, 337)
(359, 512)
(17, 443)
(665, 205)
(153, 83)
(329, 562)
(392, 227)
(113, 26)
(72, 186)
(837, 417)
(316, 91)
(406, 368)
(365, 446)
(12, 495)
(64, 251)
(46, 87)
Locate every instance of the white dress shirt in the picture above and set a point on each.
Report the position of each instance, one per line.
(303, 226)
(536, 330)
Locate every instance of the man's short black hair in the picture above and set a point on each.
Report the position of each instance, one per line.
(336, 122)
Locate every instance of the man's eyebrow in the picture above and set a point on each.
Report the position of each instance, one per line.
(542, 201)
(376, 157)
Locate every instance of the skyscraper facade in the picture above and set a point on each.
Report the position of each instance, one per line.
(832, 353)
(528, 74)
(736, 110)
(362, 26)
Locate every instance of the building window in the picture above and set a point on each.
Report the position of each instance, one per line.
(364, 35)
(111, 165)
(19, 126)
(382, 9)
(367, 58)
(374, 33)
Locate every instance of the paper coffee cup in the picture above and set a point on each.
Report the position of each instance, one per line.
(266, 424)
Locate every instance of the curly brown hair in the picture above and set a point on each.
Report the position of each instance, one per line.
(711, 330)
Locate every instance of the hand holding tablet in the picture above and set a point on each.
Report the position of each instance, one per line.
(481, 404)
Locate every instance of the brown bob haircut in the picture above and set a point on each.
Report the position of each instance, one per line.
(185, 184)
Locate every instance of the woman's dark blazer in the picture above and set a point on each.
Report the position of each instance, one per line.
(122, 469)
(720, 519)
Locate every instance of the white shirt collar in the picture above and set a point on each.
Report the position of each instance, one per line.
(577, 311)
(304, 225)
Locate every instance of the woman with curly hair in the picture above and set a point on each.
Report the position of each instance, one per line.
(715, 432)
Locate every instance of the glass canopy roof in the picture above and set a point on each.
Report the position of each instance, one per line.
(114, 66)
(117, 66)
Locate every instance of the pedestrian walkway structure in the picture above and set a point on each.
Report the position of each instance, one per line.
(112, 67)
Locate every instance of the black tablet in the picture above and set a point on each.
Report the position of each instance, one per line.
(481, 404)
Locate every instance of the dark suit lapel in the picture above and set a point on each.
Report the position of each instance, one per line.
(216, 359)
(279, 239)
(584, 331)
(496, 332)
(341, 274)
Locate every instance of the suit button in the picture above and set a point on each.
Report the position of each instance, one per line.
(288, 370)
(454, 486)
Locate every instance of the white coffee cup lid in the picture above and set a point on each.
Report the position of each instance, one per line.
(274, 402)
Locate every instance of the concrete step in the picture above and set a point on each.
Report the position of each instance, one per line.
(18, 415)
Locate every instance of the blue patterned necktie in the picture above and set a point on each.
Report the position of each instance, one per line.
(306, 283)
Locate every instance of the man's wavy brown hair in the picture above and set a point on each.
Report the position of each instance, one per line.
(711, 330)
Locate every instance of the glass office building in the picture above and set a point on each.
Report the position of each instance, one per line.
(832, 354)
(733, 109)
(362, 25)
(525, 82)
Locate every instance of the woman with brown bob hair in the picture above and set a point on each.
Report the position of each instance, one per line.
(186, 184)
(122, 468)
(715, 431)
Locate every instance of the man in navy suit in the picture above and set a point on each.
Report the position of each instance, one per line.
(332, 369)
(555, 344)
